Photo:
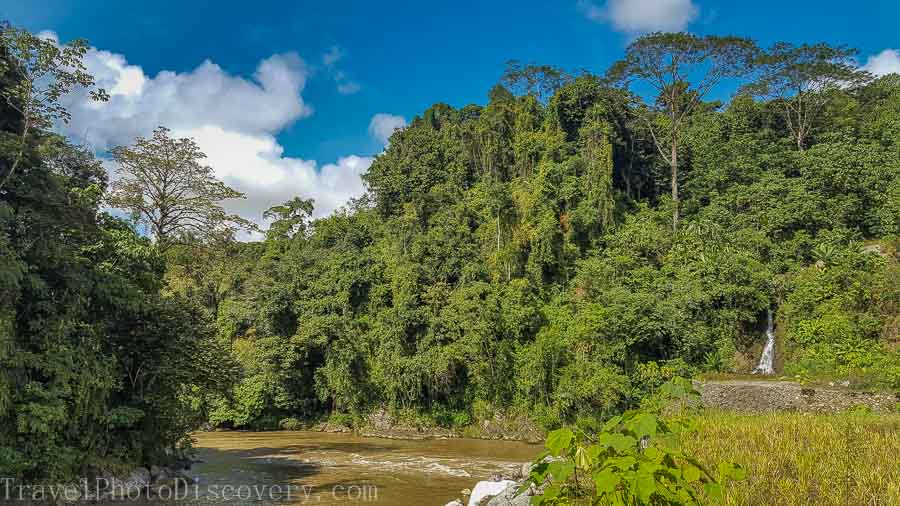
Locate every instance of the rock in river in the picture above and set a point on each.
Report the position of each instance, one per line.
(487, 489)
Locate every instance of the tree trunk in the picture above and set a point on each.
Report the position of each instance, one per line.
(629, 170)
(674, 163)
(19, 154)
(498, 232)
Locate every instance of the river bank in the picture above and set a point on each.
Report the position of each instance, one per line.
(383, 424)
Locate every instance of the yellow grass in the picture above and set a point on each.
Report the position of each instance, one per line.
(800, 458)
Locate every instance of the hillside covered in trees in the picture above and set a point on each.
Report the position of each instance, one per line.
(521, 256)
(554, 254)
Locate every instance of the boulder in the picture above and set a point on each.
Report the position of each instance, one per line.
(455, 502)
(511, 497)
(526, 469)
(486, 489)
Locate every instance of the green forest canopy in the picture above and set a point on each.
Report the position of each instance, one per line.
(519, 257)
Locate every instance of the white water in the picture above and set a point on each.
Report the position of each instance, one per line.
(767, 360)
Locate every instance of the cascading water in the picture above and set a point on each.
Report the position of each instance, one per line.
(767, 360)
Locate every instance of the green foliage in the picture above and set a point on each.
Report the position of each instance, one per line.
(94, 361)
(632, 459)
(163, 184)
(519, 256)
(840, 314)
(38, 72)
(515, 258)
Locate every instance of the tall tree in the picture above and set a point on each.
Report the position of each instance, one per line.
(802, 78)
(289, 218)
(163, 183)
(683, 69)
(40, 72)
(540, 81)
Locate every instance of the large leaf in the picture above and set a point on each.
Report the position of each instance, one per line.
(714, 491)
(621, 463)
(643, 425)
(559, 440)
(606, 481)
(690, 472)
(612, 423)
(561, 470)
(644, 485)
(619, 442)
(730, 470)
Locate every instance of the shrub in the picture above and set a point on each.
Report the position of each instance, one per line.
(291, 424)
(632, 460)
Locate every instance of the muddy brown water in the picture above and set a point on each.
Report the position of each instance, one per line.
(290, 468)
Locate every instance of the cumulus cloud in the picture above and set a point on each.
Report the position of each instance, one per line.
(383, 125)
(256, 165)
(206, 95)
(883, 63)
(234, 119)
(640, 16)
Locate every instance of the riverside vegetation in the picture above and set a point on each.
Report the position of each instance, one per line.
(671, 453)
(554, 255)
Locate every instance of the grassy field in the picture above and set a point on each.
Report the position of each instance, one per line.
(797, 458)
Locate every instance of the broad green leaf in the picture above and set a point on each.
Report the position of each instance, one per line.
(649, 467)
(553, 491)
(594, 452)
(645, 486)
(606, 481)
(618, 442)
(713, 490)
(621, 463)
(643, 425)
(612, 423)
(539, 472)
(654, 454)
(690, 472)
(559, 440)
(561, 470)
(732, 471)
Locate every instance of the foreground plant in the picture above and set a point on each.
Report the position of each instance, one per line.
(632, 460)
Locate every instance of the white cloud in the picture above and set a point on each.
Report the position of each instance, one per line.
(344, 85)
(206, 95)
(48, 35)
(234, 120)
(883, 63)
(348, 87)
(383, 125)
(640, 16)
(256, 165)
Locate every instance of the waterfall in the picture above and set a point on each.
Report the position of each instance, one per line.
(767, 360)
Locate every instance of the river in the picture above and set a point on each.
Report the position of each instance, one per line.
(326, 468)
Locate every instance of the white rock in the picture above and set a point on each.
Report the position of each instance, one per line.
(455, 502)
(486, 489)
(526, 469)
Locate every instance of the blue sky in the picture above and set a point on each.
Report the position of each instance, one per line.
(398, 58)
